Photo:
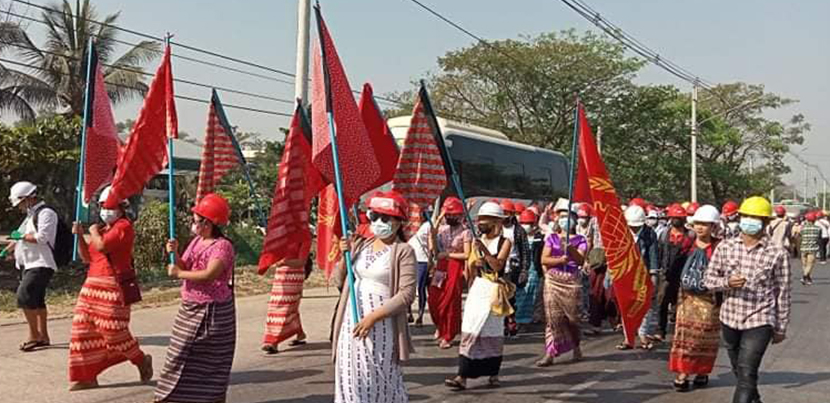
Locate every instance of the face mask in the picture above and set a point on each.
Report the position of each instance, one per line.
(582, 221)
(563, 223)
(194, 229)
(652, 222)
(528, 228)
(485, 228)
(382, 229)
(677, 222)
(452, 222)
(109, 216)
(751, 226)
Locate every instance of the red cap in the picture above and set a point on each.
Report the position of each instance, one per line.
(214, 208)
(780, 210)
(389, 203)
(453, 206)
(508, 206)
(811, 216)
(638, 202)
(692, 208)
(527, 217)
(676, 211)
(730, 208)
(584, 210)
(520, 207)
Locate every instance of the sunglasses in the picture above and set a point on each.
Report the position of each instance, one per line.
(377, 216)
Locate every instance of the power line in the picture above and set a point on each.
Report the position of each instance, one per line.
(183, 97)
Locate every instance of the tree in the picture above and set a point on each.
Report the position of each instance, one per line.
(57, 76)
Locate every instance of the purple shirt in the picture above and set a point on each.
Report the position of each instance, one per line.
(196, 258)
(555, 244)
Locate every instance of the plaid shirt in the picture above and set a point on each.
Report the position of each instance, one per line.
(810, 234)
(765, 298)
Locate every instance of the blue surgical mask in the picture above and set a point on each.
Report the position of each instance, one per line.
(563, 223)
(382, 230)
(751, 226)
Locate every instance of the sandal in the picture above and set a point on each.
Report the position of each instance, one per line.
(681, 386)
(454, 383)
(701, 381)
(444, 345)
(648, 346)
(544, 362)
(624, 346)
(31, 345)
(493, 382)
(270, 349)
(295, 343)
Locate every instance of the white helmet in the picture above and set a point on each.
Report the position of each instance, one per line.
(491, 209)
(20, 191)
(635, 216)
(653, 214)
(106, 194)
(706, 213)
(561, 205)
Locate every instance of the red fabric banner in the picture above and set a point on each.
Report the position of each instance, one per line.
(102, 142)
(632, 286)
(146, 150)
(219, 154)
(329, 231)
(382, 140)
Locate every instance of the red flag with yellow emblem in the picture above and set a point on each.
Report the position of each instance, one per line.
(632, 286)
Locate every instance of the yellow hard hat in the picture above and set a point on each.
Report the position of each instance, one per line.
(756, 206)
(685, 205)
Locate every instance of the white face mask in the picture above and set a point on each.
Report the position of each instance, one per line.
(109, 216)
(382, 230)
(527, 227)
(194, 229)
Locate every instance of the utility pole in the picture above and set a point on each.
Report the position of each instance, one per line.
(751, 164)
(824, 195)
(806, 182)
(303, 23)
(772, 196)
(694, 142)
(599, 140)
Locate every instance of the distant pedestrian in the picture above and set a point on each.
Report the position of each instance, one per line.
(519, 261)
(526, 296)
(754, 275)
(101, 324)
(810, 245)
(824, 224)
(782, 231)
(425, 260)
(203, 340)
(368, 351)
(697, 330)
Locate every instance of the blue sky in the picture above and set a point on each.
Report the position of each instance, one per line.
(392, 42)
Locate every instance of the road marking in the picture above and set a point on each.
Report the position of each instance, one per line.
(573, 391)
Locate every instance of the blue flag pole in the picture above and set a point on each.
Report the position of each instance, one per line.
(81, 161)
(574, 168)
(171, 185)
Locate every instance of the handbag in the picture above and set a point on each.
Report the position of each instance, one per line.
(691, 279)
(130, 289)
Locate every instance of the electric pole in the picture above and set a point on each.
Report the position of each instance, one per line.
(303, 23)
(694, 142)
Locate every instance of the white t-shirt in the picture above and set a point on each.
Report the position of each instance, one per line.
(510, 235)
(31, 255)
(825, 227)
(420, 243)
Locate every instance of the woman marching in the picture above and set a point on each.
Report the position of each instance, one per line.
(283, 318)
(452, 250)
(697, 328)
(562, 287)
(368, 353)
(203, 339)
(482, 327)
(526, 296)
(100, 327)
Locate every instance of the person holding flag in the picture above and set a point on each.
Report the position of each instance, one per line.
(368, 350)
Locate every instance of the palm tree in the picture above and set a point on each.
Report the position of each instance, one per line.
(55, 77)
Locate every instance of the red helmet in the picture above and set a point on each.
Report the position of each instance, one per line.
(453, 206)
(729, 208)
(780, 211)
(389, 203)
(811, 216)
(638, 202)
(214, 208)
(527, 217)
(520, 208)
(692, 209)
(676, 211)
(584, 210)
(508, 206)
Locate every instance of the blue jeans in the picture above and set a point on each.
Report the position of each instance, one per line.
(746, 349)
(423, 282)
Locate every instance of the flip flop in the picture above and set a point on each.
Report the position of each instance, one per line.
(452, 383)
(270, 349)
(646, 346)
(295, 343)
(32, 345)
(624, 346)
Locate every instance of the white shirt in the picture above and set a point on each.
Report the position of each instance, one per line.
(31, 255)
(420, 243)
(510, 235)
(825, 227)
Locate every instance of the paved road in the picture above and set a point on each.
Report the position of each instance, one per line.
(796, 371)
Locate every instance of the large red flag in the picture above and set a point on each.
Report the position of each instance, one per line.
(331, 93)
(329, 231)
(102, 143)
(632, 286)
(420, 176)
(221, 151)
(382, 140)
(146, 150)
(296, 184)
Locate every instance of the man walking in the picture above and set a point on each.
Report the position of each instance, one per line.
(754, 275)
(810, 245)
(781, 229)
(34, 242)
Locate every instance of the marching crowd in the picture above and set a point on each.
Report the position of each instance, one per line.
(721, 276)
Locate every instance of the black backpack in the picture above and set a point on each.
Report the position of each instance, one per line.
(64, 240)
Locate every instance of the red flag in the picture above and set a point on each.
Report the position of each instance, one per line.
(288, 227)
(329, 231)
(420, 176)
(220, 153)
(102, 142)
(146, 150)
(331, 93)
(632, 285)
(382, 140)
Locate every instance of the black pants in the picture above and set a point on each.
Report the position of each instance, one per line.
(746, 349)
(670, 287)
(31, 293)
(822, 249)
(423, 283)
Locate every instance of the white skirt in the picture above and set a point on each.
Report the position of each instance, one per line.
(366, 370)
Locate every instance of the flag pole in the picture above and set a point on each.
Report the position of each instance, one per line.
(81, 161)
(338, 180)
(171, 184)
(572, 179)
